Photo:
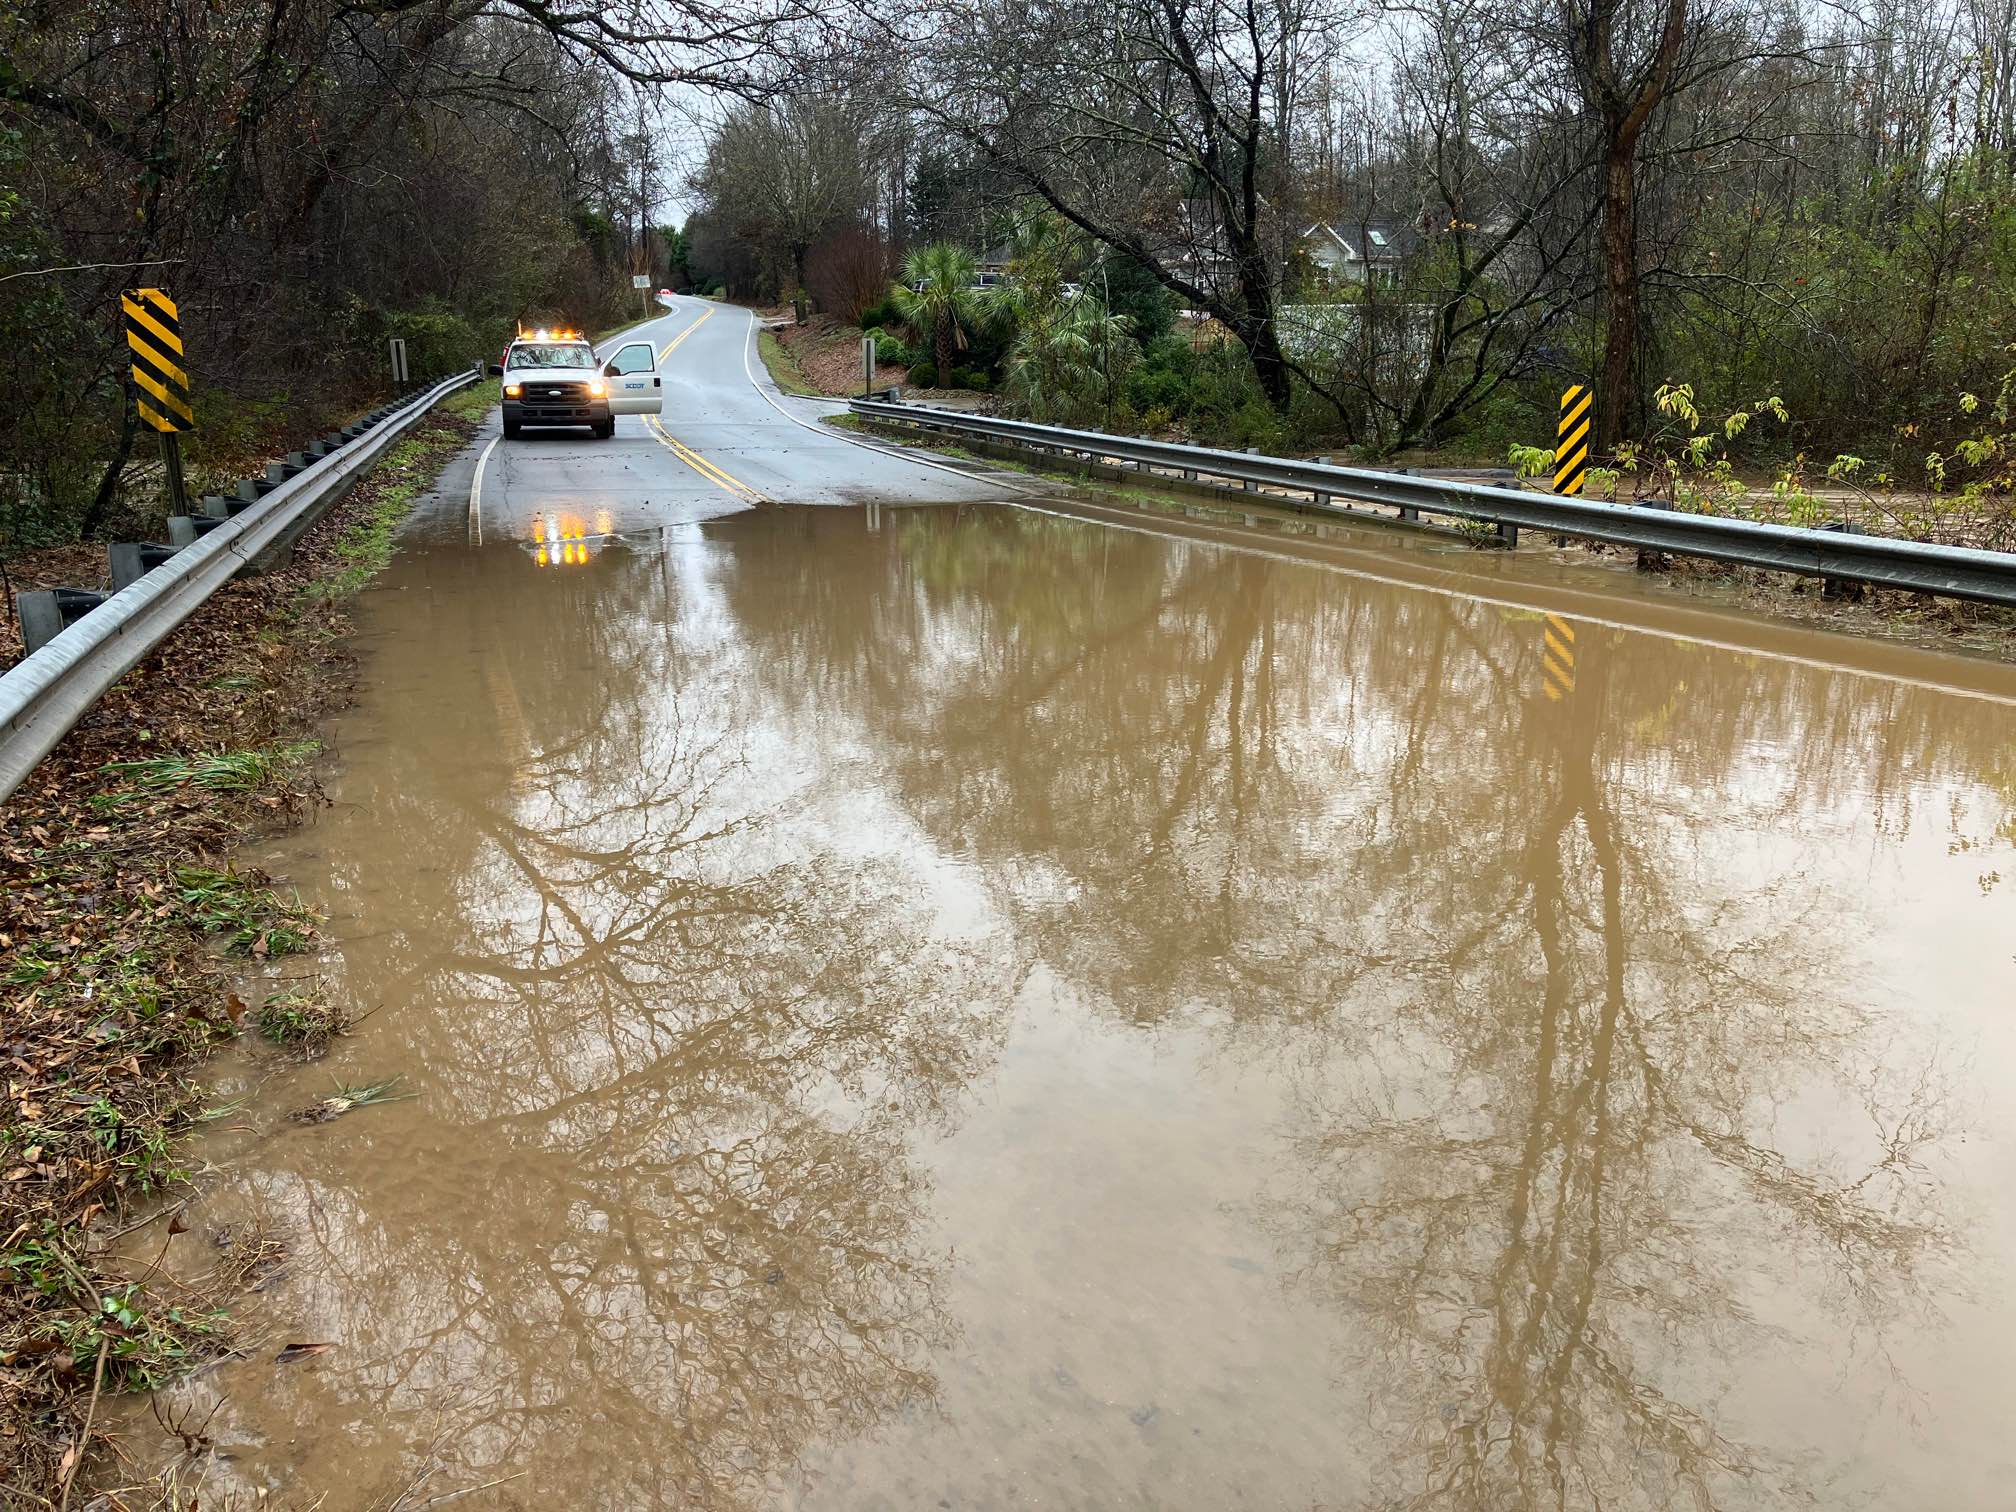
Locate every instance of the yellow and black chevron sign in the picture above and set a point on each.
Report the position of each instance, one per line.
(160, 380)
(1571, 439)
(1557, 662)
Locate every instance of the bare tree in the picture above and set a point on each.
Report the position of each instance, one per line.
(1160, 128)
(786, 175)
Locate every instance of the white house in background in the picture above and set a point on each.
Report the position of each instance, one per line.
(1357, 252)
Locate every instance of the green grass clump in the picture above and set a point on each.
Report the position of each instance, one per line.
(348, 1097)
(215, 771)
(254, 919)
(304, 1022)
(147, 1342)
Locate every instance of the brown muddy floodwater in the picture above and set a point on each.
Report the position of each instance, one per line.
(982, 1008)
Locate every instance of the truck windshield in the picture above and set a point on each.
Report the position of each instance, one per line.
(570, 354)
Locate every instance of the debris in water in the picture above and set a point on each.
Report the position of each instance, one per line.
(347, 1098)
(295, 1352)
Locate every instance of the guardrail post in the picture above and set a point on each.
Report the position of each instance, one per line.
(1408, 512)
(186, 530)
(45, 612)
(1508, 535)
(1322, 497)
(1250, 485)
(1648, 559)
(1845, 590)
(130, 561)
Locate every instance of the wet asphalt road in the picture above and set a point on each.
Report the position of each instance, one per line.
(727, 440)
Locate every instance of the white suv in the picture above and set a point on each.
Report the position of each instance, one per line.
(555, 379)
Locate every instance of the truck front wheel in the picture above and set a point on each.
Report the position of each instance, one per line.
(511, 429)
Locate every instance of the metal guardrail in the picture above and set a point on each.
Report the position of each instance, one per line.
(43, 696)
(1948, 571)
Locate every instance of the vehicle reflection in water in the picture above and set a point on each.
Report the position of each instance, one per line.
(995, 1008)
(562, 538)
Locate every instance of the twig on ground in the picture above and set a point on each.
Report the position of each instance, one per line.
(90, 1415)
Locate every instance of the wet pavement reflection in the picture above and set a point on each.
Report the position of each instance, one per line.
(975, 1007)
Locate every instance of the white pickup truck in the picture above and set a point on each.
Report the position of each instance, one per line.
(554, 378)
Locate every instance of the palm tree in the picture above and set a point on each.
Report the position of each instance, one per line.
(1068, 353)
(1067, 364)
(937, 295)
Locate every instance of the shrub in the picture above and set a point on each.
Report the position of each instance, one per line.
(881, 314)
(1160, 390)
(924, 375)
(890, 349)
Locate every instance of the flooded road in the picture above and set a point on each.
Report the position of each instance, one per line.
(976, 1007)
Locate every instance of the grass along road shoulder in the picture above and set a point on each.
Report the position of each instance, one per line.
(783, 367)
(128, 949)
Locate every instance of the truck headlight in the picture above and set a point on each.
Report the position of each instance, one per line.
(597, 389)
(513, 390)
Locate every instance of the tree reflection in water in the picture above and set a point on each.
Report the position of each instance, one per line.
(671, 1051)
(1552, 1187)
(1594, 1139)
(1592, 1112)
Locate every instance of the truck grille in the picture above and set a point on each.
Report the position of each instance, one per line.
(554, 393)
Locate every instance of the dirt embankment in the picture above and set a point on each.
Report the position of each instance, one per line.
(824, 356)
(126, 939)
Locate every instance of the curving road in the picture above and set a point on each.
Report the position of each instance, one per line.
(728, 440)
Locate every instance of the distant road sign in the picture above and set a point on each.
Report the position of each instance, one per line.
(640, 280)
(160, 379)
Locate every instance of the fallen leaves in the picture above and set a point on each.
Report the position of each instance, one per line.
(108, 987)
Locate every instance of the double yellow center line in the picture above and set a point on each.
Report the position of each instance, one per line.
(705, 316)
(708, 470)
(719, 476)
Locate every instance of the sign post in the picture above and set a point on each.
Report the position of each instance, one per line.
(160, 379)
(867, 366)
(399, 373)
(641, 282)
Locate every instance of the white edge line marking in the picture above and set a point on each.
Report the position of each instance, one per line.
(1813, 663)
(749, 346)
(476, 492)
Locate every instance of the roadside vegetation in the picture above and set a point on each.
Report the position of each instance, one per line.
(783, 365)
(1396, 235)
(131, 946)
(307, 182)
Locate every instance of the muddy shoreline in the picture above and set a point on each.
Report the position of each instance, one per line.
(129, 948)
